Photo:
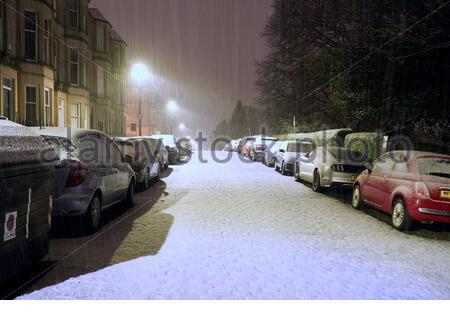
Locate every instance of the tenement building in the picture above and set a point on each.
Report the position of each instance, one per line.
(61, 64)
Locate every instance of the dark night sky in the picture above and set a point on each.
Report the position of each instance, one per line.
(203, 50)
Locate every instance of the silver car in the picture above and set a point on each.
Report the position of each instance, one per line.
(170, 142)
(90, 175)
(325, 167)
(158, 145)
(288, 154)
(270, 153)
(143, 159)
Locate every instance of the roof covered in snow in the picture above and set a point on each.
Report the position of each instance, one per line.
(19, 144)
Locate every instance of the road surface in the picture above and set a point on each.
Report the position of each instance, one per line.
(241, 231)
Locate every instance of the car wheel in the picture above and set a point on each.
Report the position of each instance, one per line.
(129, 200)
(276, 167)
(297, 173)
(401, 220)
(316, 182)
(146, 184)
(357, 201)
(283, 169)
(159, 171)
(93, 215)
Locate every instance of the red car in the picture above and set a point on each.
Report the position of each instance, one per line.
(247, 148)
(411, 186)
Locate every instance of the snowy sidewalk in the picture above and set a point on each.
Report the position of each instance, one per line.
(241, 231)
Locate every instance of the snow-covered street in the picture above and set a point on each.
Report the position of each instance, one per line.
(243, 231)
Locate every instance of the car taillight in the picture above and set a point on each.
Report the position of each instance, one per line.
(50, 211)
(422, 191)
(337, 168)
(77, 175)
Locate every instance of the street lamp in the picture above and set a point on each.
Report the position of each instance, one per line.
(182, 127)
(140, 76)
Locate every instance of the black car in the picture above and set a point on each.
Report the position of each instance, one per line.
(26, 188)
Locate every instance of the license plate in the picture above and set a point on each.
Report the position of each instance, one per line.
(445, 194)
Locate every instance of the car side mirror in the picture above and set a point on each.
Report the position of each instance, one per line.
(282, 151)
(369, 167)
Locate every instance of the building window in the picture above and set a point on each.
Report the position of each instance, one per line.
(55, 54)
(100, 125)
(2, 22)
(47, 107)
(47, 41)
(31, 105)
(133, 127)
(74, 66)
(75, 116)
(100, 81)
(73, 14)
(116, 56)
(30, 35)
(86, 117)
(8, 98)
(100, 39)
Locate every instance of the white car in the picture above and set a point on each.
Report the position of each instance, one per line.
(288, 154)
(325, 167)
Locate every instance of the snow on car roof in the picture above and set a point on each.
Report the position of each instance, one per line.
(69, 133)
(19, 144)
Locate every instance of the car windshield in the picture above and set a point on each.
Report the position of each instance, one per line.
(266, 141)
(126, 147)
(299, 147)
(167, 140)
(437, 167)
(343, 154)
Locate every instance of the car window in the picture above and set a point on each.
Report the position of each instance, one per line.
(401, 164)
(437, 167)
(384, 164)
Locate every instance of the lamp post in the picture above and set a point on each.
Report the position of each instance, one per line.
(172, 107)
(140, 76)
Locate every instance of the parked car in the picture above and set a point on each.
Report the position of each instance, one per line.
(162, 152)
(246, 150)
(26, 197)
(259, 146)
(185, 147)
(232, 146)
(143, 159)
(90, 175)
(270, 154)
(328, 166)
(170, 142)
(243, 143)
(411, 186)
(288, 154)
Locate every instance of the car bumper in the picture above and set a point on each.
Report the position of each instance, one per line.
(71, 204)
(430, 210)
(289, 167)
(340, 178)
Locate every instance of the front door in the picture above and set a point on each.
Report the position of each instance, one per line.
(61, 114)
(8, 106)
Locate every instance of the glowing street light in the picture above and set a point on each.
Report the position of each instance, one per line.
(172, 106)
(140, 75)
